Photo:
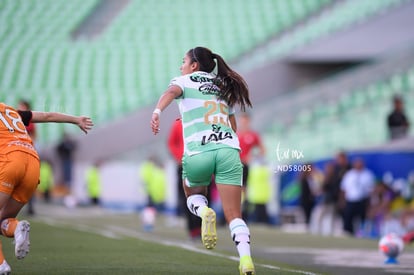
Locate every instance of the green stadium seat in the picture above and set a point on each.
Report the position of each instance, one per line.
(132, 60)
(356, 120)
(305, 117)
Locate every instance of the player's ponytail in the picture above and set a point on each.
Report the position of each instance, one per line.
(233, 88)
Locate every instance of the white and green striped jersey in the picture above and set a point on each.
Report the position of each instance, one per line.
(205, 118)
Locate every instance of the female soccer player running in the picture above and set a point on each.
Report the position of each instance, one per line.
(206, 101)
(19, 171)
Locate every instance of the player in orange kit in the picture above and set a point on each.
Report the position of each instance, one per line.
(20, 169)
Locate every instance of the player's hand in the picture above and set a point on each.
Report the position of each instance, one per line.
(155, 123)
(85, 123)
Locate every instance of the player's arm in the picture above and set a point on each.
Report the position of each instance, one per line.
(84, 123)
(166, 98)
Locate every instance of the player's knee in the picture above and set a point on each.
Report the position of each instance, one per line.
(8, 226)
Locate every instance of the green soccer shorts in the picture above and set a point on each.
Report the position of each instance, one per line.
(223, 163)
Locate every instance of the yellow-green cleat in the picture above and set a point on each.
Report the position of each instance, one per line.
(246, 266)
(208, 228)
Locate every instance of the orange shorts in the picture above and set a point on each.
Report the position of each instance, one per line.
(19, 175)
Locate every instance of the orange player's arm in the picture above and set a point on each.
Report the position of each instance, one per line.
(83, 122)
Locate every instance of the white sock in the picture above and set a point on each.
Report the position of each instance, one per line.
(241, 236)
(196, 204)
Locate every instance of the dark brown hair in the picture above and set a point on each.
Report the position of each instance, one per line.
(25, 103)
(233, 88)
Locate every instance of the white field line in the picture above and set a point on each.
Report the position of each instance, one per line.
(352, 258)
(117, 232)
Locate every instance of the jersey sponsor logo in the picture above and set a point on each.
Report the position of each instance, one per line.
(6, 184)
(217, 135)
(200, 79)
(209, 89)
(21, 143)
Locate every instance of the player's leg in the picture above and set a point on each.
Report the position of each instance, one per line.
(245, 203)
(198, 205)
(229, 184)
(11, 227)
(193, 222)
(230, 196)
(11, 171)
(4, 266)
(197, 171)
(25, 183)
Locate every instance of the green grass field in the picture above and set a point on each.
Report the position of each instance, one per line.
(82, 243)
(94, 241)
(60, 250)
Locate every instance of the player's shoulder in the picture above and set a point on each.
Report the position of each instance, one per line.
(179, 80)
(7, 108)
(4, 106)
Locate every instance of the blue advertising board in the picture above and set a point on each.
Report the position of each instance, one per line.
(397, 164)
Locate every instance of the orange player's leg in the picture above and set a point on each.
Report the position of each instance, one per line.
(8, 226)
(19, 176)
(1, 253)
(4, 266)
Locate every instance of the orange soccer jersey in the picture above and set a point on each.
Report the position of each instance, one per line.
(19, 162)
